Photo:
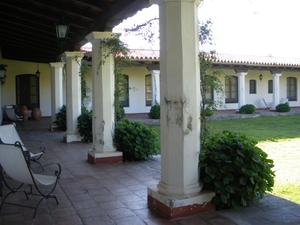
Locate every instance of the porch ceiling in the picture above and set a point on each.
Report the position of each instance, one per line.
(27, 27)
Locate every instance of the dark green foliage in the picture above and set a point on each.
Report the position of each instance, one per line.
(136, 140)
(247, 109)
(284, 107)
(61, 118)
(84, 71)
(154, 112)
(119, 111)
(85, 125)
(235, 169)
(210, 108)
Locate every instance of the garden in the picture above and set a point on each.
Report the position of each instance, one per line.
(278, 136)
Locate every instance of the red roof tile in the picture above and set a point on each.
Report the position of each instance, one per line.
(223, 59)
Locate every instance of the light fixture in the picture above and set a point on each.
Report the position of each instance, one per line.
(62, 29)
(260, 76)
(37, 73)
(2, 73)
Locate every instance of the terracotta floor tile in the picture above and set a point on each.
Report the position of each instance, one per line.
(119, 213)
(110, 194)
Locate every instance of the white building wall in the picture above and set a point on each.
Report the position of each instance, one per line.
(261, 89)
(137, 101)
(137, 92)
(15, 68)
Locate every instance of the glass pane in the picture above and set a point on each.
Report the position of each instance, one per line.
(33, 99)
(33, 90)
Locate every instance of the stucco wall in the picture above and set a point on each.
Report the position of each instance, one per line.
(261, 88)
(15, 68)
(137, 102)
(137, 98)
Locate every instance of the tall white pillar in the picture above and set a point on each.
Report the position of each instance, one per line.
(178, 192)
(155, 85)
(1, 112)
(276, 85)
(73, 62)
(241, 87)
(56, 89)
(103, 89)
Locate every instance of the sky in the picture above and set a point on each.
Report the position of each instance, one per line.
(244, 27)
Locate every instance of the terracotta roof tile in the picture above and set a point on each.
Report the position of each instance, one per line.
(256, 60)
(228, 59)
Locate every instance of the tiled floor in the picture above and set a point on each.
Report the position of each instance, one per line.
(117, 193)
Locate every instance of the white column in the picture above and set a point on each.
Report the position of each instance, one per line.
(179, 186)
(73, 62)
(103, 89)
(1, 112)
(276, 88)
(56, 88)
(241, 87)
(155, 85)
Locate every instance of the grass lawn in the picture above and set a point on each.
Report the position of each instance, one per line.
(279, 137)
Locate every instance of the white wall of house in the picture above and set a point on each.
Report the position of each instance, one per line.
(261, 88)
(137, 100)
(137, 95)
(15, 68)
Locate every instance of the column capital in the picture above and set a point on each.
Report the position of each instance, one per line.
(96, 35)
(276, 73)
(241, 72)
(153, 72)
(57, 64)
(158, 2)
(75, 55)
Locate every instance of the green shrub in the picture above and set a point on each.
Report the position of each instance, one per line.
(284, 107)
(136, 140)
(247, 109)
(210, 108)
(154, 112)
(119, 111)
(235, 169)
(209, 112)
(84, 125)
(61, 118)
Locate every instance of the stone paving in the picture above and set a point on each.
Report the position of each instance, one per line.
(117, 193)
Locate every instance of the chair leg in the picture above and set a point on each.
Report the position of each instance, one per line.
(35, 161)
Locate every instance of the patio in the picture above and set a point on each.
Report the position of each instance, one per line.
(117, 193)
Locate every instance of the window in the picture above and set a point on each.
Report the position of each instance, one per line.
(291, 88)
(252, 86)
(231, 89)
(124, 94)
(27, 91)
(209, 94)
(270, 86)
(148, 89)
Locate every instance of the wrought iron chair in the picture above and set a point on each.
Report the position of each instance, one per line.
(9, 135)
(16, 164)
(267, 105)
(9, 114)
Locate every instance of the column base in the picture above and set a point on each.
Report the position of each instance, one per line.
(71, 138)
(174, 208)
(107, 157)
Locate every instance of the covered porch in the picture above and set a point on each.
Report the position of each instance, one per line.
(117, 193)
